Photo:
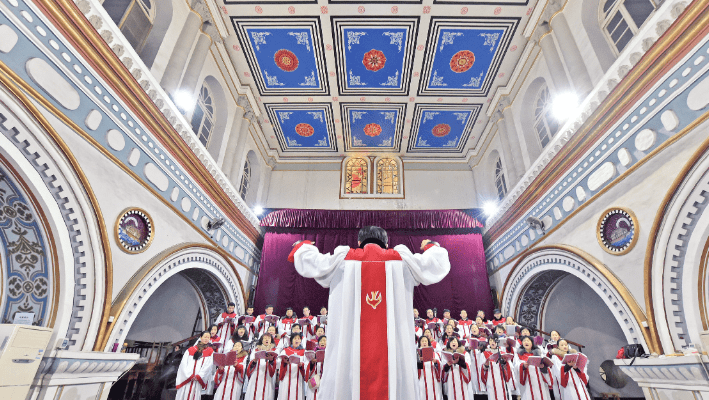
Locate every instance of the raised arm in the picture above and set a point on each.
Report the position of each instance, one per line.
(311, 264)
(429, 267)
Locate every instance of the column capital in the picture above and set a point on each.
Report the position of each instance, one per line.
(243, 101)
(541, 30)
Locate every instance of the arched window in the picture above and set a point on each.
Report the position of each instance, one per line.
(387, 176)
(545, 124)
(356, 176)
(245, 179)
(621, 19)
(134, 18)
(203, 115)
(500, 179)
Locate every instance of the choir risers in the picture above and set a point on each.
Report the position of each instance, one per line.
(664, 378)
(80, 375)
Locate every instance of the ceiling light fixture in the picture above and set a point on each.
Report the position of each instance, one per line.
(490, 208)
(258, 210)
(183, 100)
(565, 106)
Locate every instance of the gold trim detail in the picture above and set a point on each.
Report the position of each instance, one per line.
(616, 283)
(133, 283)
(702, 288)
(601, 224)
(148, 220)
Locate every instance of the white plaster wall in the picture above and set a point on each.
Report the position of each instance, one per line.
(169, 314)
(180, 11)
(573, 14)
(423, 190)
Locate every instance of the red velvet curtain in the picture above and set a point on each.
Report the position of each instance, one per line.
(466, 286)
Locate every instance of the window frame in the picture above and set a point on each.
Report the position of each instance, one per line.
(604, 19)
(372, 162)
(245, 182)
(500, 179)
(205, 115)
(149, 13)
(543, 116)
(379, 177)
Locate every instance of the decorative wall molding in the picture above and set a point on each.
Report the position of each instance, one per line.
(546, 261)
(688, 373)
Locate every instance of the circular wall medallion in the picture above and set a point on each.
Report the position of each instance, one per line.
(134, 230)
(374, 60)
(304, 130)
(617, 231)
(372, 130)
(441, 130)
(462, 61)
(286, 60)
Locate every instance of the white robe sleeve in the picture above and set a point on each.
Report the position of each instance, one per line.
(185, 369)
(427, 268)
(311, 264)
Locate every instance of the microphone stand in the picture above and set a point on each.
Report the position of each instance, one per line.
(503, 372)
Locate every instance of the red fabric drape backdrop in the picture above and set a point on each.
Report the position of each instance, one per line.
(466, 286)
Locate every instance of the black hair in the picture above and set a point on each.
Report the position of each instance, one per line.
(531, 330)
(321, 337)
(534, 346)
(494, 337)
(268, 306)
(231, 304)
(295, 335)
(500, 327)
(445, 310)
(306, 307)
(198, 353)
(235, 336)
(373, 234)
(557, 332)
(426, 337)
(260, 340)
(212, 326)
(448, 345)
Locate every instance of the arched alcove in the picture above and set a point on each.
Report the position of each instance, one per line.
(212, 275)
(220, 116)
(492, 174)
(527, 117)
(592, 26)
(255, 179)
(163, 19)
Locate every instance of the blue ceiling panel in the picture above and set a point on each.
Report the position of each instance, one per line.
(463, 55)
(303, 127)
(372, 126)
(374, 56)
(285, 55)
(440, 128)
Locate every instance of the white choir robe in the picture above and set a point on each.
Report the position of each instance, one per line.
(261, 325)
(556, 374)
(403, 270)
(261, 384)
(308, 329)
(430, 379)
(193, 375)
(311, 370)
(572, 383)
(495, 378)
(476, 384)
(437, 347)
(456, 381)
(230, 381)
(291, 376)
(418, 332)
(225, 330)
(285, 324)
(438, 331)
(464, 327)
(533, 383)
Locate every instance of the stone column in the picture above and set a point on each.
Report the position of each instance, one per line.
(233, 139)
(508, 158)
(176, 64)
(572, 56)
(199, 56)
(239, 154)
(515, 138)
(551, 56)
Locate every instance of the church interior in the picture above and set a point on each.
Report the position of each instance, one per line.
(160, 158)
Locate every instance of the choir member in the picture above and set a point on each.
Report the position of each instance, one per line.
(500, 331)
(457, 375)
(309, 327)
(261, 324)
(571, 380)
(418, 332)
(226, 323)
(534, 381)
(497, 318)
(525, 331)
(230, 379)
(250, 326)
(287, 321)
(276, 339)
(241, 334)
(495, 374)
(323, 313)
(260, 372)
(292, 375)
(194, 371)
(480, 322)
(437, 347)
(286, 338)
(429, 374)
(416, 314)
(431, 319)
(481, 314)
(510, 321)
(554, 337)
(464, 324)
(314, 371)
(476, 359)
(319, 332)
(446, 316)
(448, 334)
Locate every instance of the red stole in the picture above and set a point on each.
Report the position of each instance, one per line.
(373, 351)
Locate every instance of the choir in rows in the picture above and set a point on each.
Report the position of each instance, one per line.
(266, 357)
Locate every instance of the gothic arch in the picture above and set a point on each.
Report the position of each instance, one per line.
(536, 273)
(204, 265)
(675, 260)
(82, 274)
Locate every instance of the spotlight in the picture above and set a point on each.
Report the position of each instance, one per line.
(183, 100)
(565, 106)
(258, 210)
(490, 208)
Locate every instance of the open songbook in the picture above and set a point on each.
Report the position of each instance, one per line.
(539, 362)
(224, 360)
(513, 330)
(273, 319)
(474, 343)
(581, 360)
(420, 322)
(310, 344)
(230, 321)
(318, 356)
(432, 325)
(538, 340)
(426, 354)
(322, 319)
(263, 354)
(452, 358)
(303, 321)
(294, 359)
(495, 357)
(246, 319)
(552, 345)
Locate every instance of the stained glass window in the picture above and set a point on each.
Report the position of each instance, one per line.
(387, 176)
(545, 123)
(245, 180)
(356, 176)
(500, 179)
(203, 116)
(622, 19)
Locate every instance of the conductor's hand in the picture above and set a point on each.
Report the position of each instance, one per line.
(424, 243)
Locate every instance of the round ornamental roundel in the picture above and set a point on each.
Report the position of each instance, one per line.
(617, 231)
(134, 230)
(374, 60)
(304, 130)
(286, 60)
(441, 130)
(462, 61)
(372, 130)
